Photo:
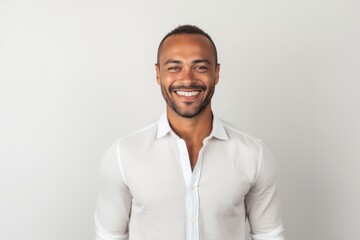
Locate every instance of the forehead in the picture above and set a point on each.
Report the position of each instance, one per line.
(186, 46)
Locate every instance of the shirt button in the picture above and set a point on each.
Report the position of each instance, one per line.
(194, 221)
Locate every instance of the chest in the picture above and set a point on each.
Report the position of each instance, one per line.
(160, 178)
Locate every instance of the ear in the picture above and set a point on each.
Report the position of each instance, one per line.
(157, 69)
(217, 73)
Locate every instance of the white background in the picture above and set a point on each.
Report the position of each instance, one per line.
(76, 75)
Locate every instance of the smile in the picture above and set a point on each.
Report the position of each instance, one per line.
(187, 94)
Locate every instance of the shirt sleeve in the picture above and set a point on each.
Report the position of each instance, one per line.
(114, 199)
(263, 202)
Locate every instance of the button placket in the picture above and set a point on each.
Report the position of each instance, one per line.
(192, 179)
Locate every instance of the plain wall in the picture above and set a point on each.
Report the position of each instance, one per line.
(76, 75)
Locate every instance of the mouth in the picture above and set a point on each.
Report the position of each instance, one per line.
(187, 93)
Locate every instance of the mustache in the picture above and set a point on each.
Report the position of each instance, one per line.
(187, 87)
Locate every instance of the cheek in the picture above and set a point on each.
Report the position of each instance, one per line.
(165, 85)
(167, 80)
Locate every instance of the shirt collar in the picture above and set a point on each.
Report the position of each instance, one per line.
(218, 130)
(163, 126)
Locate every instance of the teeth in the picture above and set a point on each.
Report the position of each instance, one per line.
(187, 94)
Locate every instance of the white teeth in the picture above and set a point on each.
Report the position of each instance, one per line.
(187, 94)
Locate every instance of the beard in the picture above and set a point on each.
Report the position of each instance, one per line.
(196, 109)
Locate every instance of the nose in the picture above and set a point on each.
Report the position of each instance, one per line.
(187, 76)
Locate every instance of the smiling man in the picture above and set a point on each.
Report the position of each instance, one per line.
(188, 176)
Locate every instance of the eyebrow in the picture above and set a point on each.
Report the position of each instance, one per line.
(179, 62)
(172, 61)
(201, 61)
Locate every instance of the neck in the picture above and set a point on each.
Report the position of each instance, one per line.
(191, 129)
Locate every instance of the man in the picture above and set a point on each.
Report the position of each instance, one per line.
(188, 176)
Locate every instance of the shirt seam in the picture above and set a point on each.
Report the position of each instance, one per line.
(120, 162)
(259, 162)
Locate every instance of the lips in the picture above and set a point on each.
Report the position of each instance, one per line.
(187, 93)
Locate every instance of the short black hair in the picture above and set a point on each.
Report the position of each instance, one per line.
(187, 29)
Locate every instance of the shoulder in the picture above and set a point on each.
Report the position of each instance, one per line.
(245, 150)
(140, 136)
(134, 138)
(252, 148)
(237, 136)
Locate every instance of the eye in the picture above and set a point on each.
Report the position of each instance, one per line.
(173, 68)
(201, 68)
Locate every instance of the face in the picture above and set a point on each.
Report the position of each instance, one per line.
(187, 73)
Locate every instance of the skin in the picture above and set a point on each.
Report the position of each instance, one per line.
(187, 74)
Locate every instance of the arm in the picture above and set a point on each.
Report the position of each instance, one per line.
(263, 203)
(114, 200)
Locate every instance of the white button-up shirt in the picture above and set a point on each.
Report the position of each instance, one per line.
(149, 192)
